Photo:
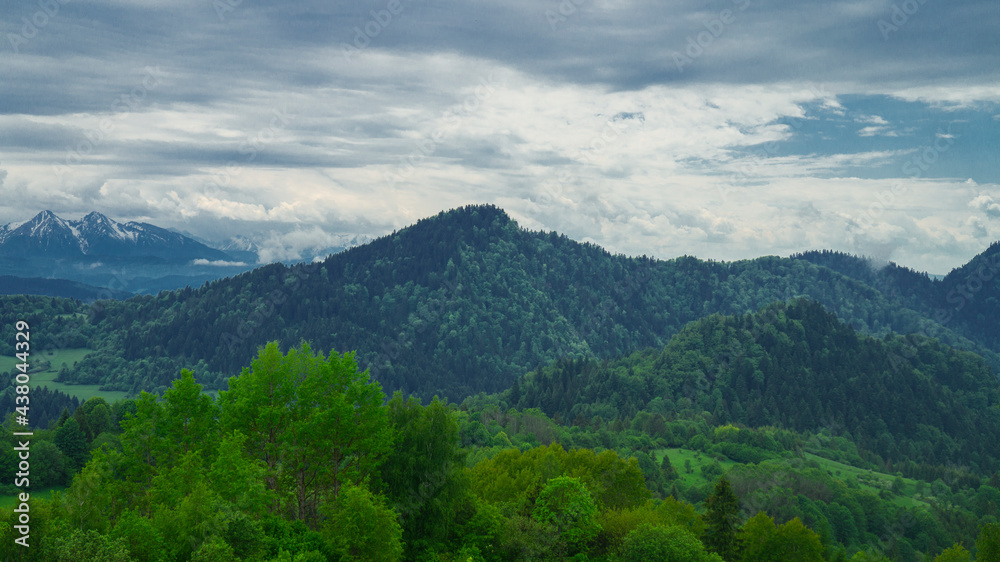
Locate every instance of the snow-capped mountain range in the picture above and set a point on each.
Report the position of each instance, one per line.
(95, 236)
(137, 257)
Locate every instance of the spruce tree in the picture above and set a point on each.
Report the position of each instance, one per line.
(723, 521)
(63, 417)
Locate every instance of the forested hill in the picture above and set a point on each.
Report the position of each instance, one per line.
(967, 300)
(795, 366)
(463, 302)
(902, 285)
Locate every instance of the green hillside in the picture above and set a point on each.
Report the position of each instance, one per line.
(906, 402)
(465, 302)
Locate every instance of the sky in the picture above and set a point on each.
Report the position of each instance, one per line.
(723, 129)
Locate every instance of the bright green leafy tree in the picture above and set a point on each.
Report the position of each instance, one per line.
(317, 423)
(71, 440)
(665, 544)
(566, 504)
(956, 553)
(423, 476)
(763, 541)
(361, 527)
(988, 543)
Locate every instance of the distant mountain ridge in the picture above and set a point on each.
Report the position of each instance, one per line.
(116, 258)
(467, 300)
(965, 300)
(242, 248)
(10, 285)
(95, 236)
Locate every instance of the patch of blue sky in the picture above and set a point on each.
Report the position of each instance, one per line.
(918, 139)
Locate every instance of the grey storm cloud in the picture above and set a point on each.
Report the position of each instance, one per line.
(396, 108)
(95, 47)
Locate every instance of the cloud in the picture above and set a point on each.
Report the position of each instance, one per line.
(986, 204)
(979, 228)
(879, 126)
(261, 125)
(875, 119)
(217, 263)
(302, 244)
(875, 130)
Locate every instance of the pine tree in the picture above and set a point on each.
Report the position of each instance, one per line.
(71, 440)
(63, 417)
(723, 521)
(668, 470)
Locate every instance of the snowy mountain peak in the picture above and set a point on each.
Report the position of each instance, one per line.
(44, 232)
(95, 219)
(97, 225)
(45, 223)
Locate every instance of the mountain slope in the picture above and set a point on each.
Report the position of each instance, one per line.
(900, 284)
(44, 234)
(460, 303)
(793, 365)
(966, 301)
(972, 297)
(242, 249)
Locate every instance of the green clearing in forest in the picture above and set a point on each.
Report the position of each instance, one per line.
(47, 377)
(697, 458)
(868, 479)
(875, 481)
(46, 493)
